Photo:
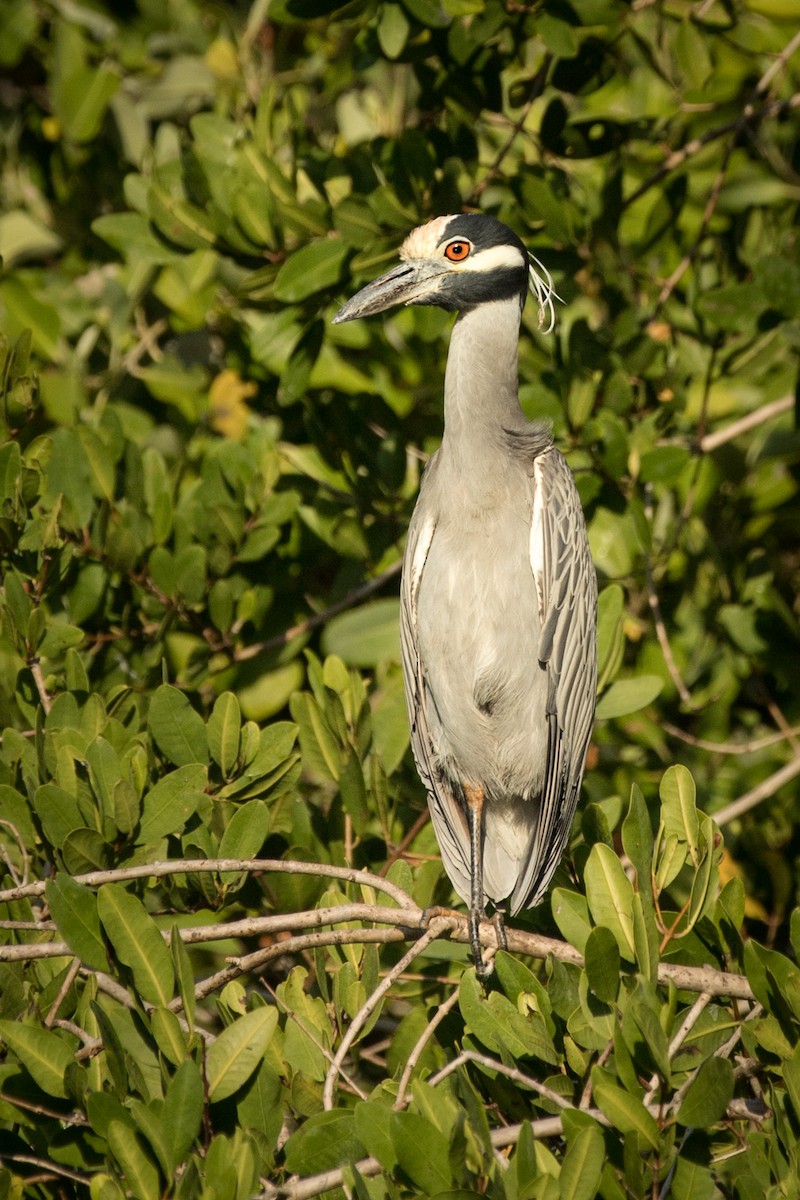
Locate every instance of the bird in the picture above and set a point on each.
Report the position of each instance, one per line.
(498, 594)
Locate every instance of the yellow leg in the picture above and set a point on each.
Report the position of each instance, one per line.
(475, 800)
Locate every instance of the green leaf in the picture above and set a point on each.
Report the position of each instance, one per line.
(626, 696)
(373, 1127)
(58, 638)
(637, 838)
(168, 1035)
(497, 1023)
(311, 269)
(184, 1103)
(571, 915)
(139, 1171)
(321, 751)
(154, 1127)
(679, 809)
(43, 1054)
(366, 635)
(238, 1050)
(182, 966)
(624, 1111)
(85, 97)
(602, 964)
(178, 731)
(168, 806)
(582, 1166)
(245, 834)
(74, 910)
(708, 1095)
(224, 731)
(137, 942)
(422, 1152)
(85, 850)
(58, 812)
(326, 1140)
(609, 895)
(610, 635)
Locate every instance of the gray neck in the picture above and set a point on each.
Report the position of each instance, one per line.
(480, 386)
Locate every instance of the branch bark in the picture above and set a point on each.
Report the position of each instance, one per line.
(406, 922)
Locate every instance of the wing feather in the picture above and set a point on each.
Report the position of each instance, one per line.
(567, 589)
(446, 812)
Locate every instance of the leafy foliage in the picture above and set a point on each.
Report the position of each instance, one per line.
(213, 837)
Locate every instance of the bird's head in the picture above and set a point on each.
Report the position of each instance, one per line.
(456, 262)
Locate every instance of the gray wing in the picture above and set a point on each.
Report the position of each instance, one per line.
(567, 588)
(448, 818)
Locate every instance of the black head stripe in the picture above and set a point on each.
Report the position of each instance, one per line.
(483, 232)
(467, 288)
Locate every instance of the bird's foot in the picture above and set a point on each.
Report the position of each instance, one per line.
(483, 967)
(500, 930)
(436, 910)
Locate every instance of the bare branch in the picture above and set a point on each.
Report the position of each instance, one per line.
(768, 787)
(351, 600)
(775, 408)
(438, 926)
(751, 747)
(663, 639)
(408, 922)
(442, 1011)
(45, 699)
(512, 1073)
(188, 866)
(687, 1025)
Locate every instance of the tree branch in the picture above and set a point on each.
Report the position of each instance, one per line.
(776, 408)
(768, 787)
(406, 922)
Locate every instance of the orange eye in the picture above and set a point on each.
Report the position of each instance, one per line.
(457, 251)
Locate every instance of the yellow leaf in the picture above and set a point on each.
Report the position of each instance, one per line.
(226, 398)
(729, 869)
(221, 59)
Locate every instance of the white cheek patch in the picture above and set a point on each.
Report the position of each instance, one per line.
(495, 258)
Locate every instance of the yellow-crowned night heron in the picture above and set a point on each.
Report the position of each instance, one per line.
(499, 595)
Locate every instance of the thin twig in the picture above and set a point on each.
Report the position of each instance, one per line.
(35, 668)
(52, 1168)
(708, 212)
(770, 739)
(723, 1051)
(442, 1011)
(688, 1023)
(408, 838)
(763, 791)
(438, 926)
(537, 87)
(678, 157)
(512, 1073)
(188, 866)
(776, 408)
(67, 983)
(663, 638)
(252, 963)
(351, 600)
